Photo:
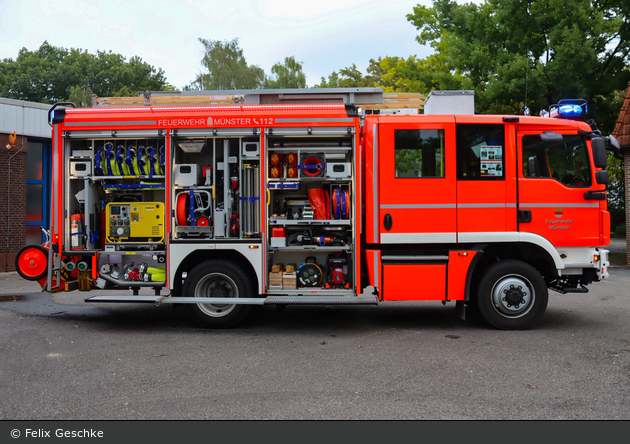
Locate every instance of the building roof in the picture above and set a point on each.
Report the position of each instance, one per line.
(622, 127)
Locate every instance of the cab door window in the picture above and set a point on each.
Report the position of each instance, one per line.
(565, 161)
(419, 153)
(480, 151)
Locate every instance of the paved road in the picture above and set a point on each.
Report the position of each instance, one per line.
(63, 359)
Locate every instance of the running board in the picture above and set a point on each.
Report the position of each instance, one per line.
(323, 300)
(137, 298)
(270, 300)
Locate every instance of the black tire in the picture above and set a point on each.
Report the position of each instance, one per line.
(220, 279)
(31, 262)
(512, 295)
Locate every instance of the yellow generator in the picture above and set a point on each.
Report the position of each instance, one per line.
(135, 222)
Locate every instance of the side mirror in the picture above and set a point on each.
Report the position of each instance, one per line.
(602, 177)
(599, 152)
(612, 144)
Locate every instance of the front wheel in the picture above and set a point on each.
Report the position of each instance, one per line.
(512, 295)
(214, 278)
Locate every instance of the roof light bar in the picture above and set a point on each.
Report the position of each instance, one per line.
(572, 109)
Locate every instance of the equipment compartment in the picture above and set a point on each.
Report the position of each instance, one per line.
(310, 207)
(112, 169)
(216, 192)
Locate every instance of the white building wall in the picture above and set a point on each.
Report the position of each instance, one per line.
(24, 118)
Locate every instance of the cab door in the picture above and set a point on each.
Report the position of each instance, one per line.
(417, 193)
(555, 175)
(486, 180)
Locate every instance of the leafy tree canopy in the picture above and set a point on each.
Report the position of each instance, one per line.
(226, 68)
(286, 75)
(533, 52)
(52, 74)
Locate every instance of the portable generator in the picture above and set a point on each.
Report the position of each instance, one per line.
(129, 222)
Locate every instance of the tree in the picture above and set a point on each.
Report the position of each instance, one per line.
(48, 74)
(517, 53)
(81, 96)
(287, 75)
(396, 74)
(350, 77)
(226, 68)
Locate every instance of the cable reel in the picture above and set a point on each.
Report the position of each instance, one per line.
(310, 274)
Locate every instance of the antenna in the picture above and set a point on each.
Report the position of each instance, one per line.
(526, 110)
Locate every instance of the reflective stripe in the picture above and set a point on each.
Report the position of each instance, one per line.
(479, 205)
(143, 122)
(320, 120)
(482, 205)
(411, 206)
(554, 205)
(418, 238)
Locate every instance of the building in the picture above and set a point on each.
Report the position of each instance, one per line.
(25, 143)
(622, 134)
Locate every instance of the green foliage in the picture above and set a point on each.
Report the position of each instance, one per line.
(81, 96)
(226, 68)
(397, 74)
(349, 77)
(524, 52)
(620, 230)
(287, 75)
(48, 74)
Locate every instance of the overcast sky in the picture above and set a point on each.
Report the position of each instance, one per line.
(325, 35)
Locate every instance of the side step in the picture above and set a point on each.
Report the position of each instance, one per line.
(323, 300)
(137, 298)
(270, 300)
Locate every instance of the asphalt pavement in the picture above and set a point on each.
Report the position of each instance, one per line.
(65, 359)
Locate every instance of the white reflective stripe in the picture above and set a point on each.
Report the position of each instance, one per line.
(376, 228)
(555, 205)
(318, 120)
(415, 206)
(121, 123)
(489, 236)
(418, 238)
(422, 206)
(482, 205)
(514, 236)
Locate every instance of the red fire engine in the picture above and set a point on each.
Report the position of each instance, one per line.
(229, 206)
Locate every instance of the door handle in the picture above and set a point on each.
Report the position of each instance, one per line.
(524, 216)
(387, 222)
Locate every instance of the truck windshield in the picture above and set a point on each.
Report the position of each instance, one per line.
(566, 161)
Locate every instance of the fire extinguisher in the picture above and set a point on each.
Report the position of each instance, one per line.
(77, 232)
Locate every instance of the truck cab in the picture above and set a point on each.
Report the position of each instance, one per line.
(488, 210)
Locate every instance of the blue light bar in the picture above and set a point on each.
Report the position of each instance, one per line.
(573, 109)
(570, 110)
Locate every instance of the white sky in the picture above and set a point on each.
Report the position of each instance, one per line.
(325, 35)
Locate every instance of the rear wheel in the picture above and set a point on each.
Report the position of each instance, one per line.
(31, 262)
(512, 295)
(215, 278)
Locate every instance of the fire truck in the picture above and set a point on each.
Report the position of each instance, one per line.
(222, 207)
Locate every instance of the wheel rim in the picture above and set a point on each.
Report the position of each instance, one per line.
(513, 296)
(216, 285)
(33, 262)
